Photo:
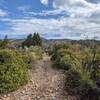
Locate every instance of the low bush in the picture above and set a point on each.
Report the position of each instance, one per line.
(37, 50)
(82, 66)
(80, 81)
(31, 55)
(13, 70)
(34, 52)
(27, 59)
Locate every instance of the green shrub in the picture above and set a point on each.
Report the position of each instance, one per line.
(62, 60)
(35, 52)
(55, 49)
(79, 81)
(57, 53)
(27, 60)
(13, 70)
(31, 55)
(82, 69)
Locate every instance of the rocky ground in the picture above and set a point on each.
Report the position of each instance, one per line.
(46, 83)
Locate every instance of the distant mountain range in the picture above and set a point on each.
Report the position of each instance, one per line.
(48, 42)
(18, 36)
(13, 36)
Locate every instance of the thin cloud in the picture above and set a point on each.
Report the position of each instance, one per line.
(24, 8)
(77, 8)
(79, 17)
(65, 27)
(45, 2)
(3, 13)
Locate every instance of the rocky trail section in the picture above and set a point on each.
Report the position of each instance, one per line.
(46, 83)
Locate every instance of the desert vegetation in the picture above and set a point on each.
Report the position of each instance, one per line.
(82, 67)
(78, 60)
(13, 70)
(15, 62)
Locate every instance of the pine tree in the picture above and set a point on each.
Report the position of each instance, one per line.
(4, 42)
(28, 41)
(32, 40)
(37, 40)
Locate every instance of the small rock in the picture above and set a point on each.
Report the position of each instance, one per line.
(23, 92)
(53, 98)
(50, 91)
(57, 89)
(38, 97)
(36, 85)
(5, 96)
(8, 95)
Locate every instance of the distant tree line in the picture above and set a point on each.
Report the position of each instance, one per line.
(32, 40)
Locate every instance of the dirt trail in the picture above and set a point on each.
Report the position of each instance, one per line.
(45, 84)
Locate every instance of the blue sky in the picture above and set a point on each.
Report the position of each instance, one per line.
(72, 19)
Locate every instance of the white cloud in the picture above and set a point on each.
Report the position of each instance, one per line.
(24, 8)
(3, 13)
(66, 27)
(46, 13)
(74, 8)
(84, 18)
(45, 2)
(77, 8)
